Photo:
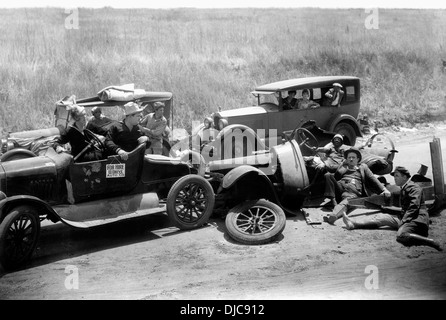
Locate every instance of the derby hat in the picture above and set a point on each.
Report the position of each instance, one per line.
(401, 170)
(354, 150)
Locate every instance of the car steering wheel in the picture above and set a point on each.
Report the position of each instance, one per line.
(305, 138)
(93, 141)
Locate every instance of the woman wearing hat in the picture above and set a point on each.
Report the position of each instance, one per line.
(124, 136)
(412, 222)
(155, 125)
(351, 180)
(305, 102)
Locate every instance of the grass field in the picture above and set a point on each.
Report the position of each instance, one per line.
(214, 58)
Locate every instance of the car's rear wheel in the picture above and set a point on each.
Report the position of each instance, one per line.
(190, 202)
(19, 233)
(347, 131)
(255, 222)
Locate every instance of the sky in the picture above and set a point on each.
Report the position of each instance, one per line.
(166, 4)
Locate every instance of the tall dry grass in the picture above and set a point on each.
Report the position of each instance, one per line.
(214, 58)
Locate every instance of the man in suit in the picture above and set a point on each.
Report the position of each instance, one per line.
(412, 222)
(333, 97)
(351, 180)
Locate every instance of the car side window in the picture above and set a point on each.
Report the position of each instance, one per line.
(350, 94)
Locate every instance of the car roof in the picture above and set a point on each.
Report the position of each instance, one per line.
(302, 82)
(148, 97)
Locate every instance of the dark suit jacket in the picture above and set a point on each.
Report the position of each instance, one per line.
(370, 184)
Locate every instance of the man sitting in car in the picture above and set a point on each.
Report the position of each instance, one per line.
(290, 101)
(333, 97)
(124, 136)
(98, 123)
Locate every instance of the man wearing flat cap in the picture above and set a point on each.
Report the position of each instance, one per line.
(124, 136)
(351, 180)
(412, 221)
(333, 97)
(98, 123)
(155, 125)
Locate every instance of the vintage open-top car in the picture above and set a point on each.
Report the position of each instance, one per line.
(272, 122)
(36, 183)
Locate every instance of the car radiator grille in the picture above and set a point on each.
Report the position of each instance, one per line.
(43, 188)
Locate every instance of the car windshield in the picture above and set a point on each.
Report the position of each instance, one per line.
(269, 98)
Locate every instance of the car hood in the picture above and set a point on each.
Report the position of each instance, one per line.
(241, 112)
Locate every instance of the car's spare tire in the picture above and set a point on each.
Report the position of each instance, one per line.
(255, 222)
(17, 154)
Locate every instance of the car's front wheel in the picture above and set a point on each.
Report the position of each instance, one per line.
(19, 233)
(190, 202)
(255, 222)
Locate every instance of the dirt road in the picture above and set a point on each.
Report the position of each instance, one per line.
(150, 259)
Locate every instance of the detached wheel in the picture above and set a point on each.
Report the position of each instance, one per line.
(347, 131)
(19, 232)
(190, 202)
(255, 222)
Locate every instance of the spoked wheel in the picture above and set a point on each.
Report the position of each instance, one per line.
(306, 140)
(190, 202)
(255, 222)
(19, 233)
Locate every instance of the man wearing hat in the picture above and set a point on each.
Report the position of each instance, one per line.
(333, 97)
(412, 222)
(98, 123)
(334, 153)
(154, 125)
(351, 180)
(124, 136)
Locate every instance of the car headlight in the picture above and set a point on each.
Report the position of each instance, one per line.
(222, 123)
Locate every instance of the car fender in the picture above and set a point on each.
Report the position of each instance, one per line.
(344, 118)
(239, 173)
(45, 209)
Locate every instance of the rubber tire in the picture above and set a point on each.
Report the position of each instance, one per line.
(17, 154)
(260, 238)
(31, 215)
(347, 131)
(173, 197)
